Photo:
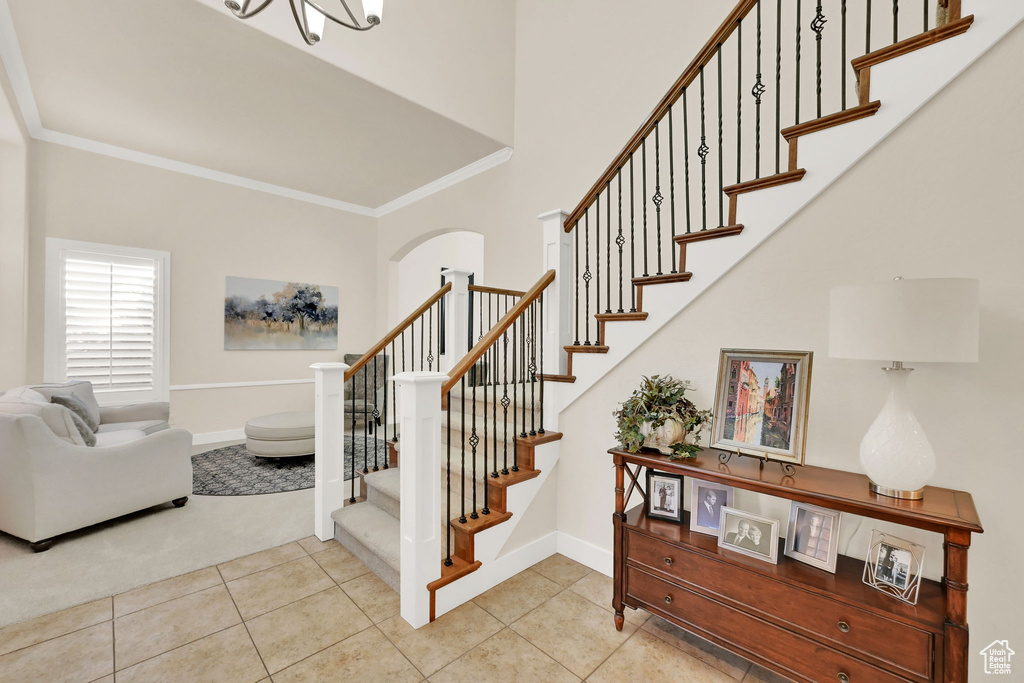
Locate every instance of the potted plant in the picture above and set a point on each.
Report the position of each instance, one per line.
(658, 415)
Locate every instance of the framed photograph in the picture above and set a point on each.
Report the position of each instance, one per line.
(813, 535)
(761, 403)
(706, 502)
(749, 534)
(894, 566)
(664, 496)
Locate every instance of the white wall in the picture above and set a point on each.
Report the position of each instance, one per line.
(212, 230)
(14, 237)
(939, 198)
(419, 271)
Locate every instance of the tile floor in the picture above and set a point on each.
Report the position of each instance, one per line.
(311, 611)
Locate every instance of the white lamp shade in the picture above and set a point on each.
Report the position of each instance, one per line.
(925, 321)
(315, 20)
(373, 8)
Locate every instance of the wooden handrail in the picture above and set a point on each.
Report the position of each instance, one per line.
(402, 326)
(670, 98)
(492, 336)
(495, 290)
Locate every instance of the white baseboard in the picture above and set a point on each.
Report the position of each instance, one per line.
(585, 553)
(218, 437)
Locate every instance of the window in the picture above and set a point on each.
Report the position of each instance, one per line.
(107, 319)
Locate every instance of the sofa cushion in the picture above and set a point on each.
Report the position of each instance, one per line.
(81, 389)
(57, 418)
(77, 406)
(88, 436)
(118, 436)
(144, 426)
(23, 394)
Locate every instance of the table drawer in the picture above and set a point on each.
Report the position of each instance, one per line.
(795, 653)
(894, 642)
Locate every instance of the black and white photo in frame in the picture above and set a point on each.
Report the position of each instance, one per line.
(813, 535)
(894, 565)
(706, 502)
(749, 534)
(664, 496)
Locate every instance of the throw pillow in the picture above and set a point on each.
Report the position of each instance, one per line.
(77, 406)
(87, 434)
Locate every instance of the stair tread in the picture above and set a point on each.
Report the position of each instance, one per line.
(664, 278)
(580, 348)
(935, 35)
(836, 119)
(765, 182)
(709, 234)
(632, 315)
(374, 528)
(565, 379)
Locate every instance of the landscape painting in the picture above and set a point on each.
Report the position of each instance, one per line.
(273, 314)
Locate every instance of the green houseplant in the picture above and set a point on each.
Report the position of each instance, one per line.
(658, 415)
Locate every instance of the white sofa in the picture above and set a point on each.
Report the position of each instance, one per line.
(52, 483)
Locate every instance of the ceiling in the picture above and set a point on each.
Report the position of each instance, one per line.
(185, 82)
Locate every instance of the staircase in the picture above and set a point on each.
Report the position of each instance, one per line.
(760, 123)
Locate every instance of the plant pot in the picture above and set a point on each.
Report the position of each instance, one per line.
(662, 438)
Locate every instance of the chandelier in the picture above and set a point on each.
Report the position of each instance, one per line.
(311, 17)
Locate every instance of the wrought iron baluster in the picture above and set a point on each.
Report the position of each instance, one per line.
(895, 21)
(515, 396)
(366, 419)
(843, 64)
(608, 249)
(686, 159)
(672, 189)
(430, 339)
(597, 259)
(540, 346)
(925, 28)
(384, 445)
(376, 416)
(586, 275)
(352, 451)
(721, 141)
(818, 26)
(448, 487)
(643, 162)
(505, 399)
(757, 91)
(474, 440)
(494, 390)
(702, 152)
(394, 399)
(739, 100)
(632, 238)
(867, 37)
(778, 89)
(657, 198)
(522, 367)
(576, 307)
(798, 61)
(620, 240)
(532, 341)
(462, 471)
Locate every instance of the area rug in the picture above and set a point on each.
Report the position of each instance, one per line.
(233, 471)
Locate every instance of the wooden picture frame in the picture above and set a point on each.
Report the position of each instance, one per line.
(761, 400)
(750, 534)
(705, 515)
(812, 536)
(664, 496)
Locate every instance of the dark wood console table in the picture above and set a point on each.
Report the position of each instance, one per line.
(802, 622)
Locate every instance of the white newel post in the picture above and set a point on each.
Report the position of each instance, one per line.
(420, 427)
(456, 324)
(558, 313)
(329, 443)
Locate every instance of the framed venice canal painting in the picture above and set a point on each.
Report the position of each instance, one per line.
(274, 314)
(761, 403)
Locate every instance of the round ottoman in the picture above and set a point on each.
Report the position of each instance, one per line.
(281, 435)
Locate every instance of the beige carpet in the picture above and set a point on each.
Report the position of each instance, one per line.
(144, 547)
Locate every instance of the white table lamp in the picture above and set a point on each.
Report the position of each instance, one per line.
(926, 321)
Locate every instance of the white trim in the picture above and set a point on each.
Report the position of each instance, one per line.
(453, 178)
(218, 437)
(233, 385)
(586, 553)
(53, 311)
(14, 61)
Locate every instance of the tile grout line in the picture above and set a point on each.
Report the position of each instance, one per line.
(617, 648)
(400, 651)
(299, 661)
(164, 602)
(47, 640)
(244, 624)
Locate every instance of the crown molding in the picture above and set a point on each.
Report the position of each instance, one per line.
(14, 62)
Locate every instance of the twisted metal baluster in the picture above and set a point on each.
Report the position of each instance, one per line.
(473, 441)
(376, 416)
(366, 421)
(620, 240)
(672, 188)
(818, 25)
(757, 91)
(540, 346)
(576, 309)
(522, 367)
(739, 100)
(385, 444)
(504, 399)
(798, 61)
(895, 21)
(702, 152)
(643, 159)
(632, 238)
(686, 158)
(430, 338)
(657, 198)
(531, 341)
(352, 432)
(597, 259)
(842, 11)
(867, 37)
(586, 275)
(448, 487)
(778, 89)
(515, 394)
(721, 141)
(462, 477)
(608, 249)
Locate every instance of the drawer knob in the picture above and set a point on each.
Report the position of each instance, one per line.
(843, 678)
(668, 561)
(668, 599)
(844, 627)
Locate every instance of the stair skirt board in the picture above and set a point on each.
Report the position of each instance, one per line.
(902, 85)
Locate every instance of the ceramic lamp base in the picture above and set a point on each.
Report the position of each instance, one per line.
(896, 493)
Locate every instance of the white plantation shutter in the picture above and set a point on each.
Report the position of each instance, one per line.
(111, 320)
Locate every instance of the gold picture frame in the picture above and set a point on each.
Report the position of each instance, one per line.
(769, 421)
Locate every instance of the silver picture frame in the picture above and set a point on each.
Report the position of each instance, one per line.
(812, 536)
(894, 566)
(749, 534)
(706, 515)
